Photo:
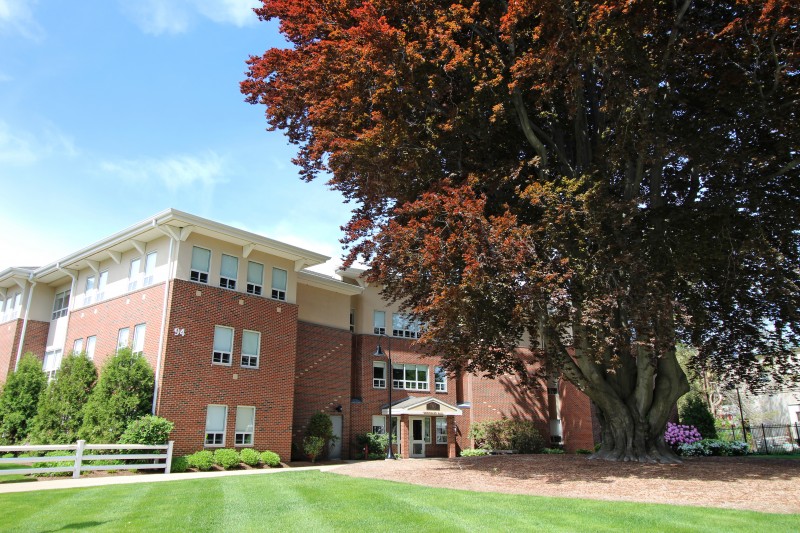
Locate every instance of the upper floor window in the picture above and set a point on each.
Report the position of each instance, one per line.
(88, 293)
(245, 422)
(379, 322)
(255, 278)
(201, 261)
(379, 374)
(149, 268)
(228, 271)
(402, 326)
(223, 345)
(102, 280)
(77, 346)
(251, 348)
(138, 338)
(411, 377)
(123, 337)
(279, 283)
(216, 417)
(90, 344)
(52, 362)
(61, 304)
(133, 275)
(440, 379)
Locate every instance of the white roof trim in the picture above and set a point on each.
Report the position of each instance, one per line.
(418, 407)
(321, 281)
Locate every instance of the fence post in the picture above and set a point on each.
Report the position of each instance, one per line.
(764, 434)
(76, 470)
(168, 468)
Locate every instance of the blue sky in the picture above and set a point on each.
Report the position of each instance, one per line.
(113, 110)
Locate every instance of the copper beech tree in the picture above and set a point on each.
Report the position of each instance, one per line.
(610, 177)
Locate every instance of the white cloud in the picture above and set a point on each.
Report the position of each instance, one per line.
(23, 148)
(158, 17)
(236, 12)
(16, 16)
(174, 172)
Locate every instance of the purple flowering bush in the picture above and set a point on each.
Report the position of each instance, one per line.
(678, 434)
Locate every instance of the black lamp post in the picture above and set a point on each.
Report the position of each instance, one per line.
(380, 353)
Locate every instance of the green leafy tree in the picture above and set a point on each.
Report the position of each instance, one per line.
(149, 429)
(20, 399)
(609, 177)
(60, 412)
(320, 425)
(123, 393)
(693, 411)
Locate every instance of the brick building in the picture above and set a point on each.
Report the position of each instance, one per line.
(247, 344)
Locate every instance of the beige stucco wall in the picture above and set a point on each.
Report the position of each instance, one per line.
(320, 306)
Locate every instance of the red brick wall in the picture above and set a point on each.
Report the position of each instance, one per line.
(190, 382)
(322, 379)
(35, 338)
(576, 418)
(9, 340)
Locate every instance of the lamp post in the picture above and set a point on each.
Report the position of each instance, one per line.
(380, 353)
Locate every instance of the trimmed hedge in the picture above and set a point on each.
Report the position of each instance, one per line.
(202, 460)
(474, 452)
(179, 465)
(249, 457)
(270, 459)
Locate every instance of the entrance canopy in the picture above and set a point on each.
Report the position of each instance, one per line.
(425, 406)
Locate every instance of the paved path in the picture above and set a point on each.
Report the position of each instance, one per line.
(62, 483)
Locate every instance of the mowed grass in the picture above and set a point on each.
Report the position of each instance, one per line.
(315, 502)
(7, 477)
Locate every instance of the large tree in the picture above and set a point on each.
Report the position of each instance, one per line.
(610, 176)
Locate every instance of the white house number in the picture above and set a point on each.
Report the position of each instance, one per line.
(179, 332)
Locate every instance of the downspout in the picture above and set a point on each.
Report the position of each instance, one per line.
(25, 321)
(163, 316)
(72, 287)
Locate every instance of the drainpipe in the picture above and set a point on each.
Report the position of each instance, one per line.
(25, 321)
(74, 275)
(163, 316)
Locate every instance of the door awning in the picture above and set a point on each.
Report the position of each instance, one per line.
(422, 406)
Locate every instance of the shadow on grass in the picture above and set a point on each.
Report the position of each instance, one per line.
(74, 526)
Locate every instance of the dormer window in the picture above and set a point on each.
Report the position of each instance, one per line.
(201, 261)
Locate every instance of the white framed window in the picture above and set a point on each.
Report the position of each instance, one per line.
(90, 344)
(223, 345)
(138, 338)
(228, 271)
(123, 338)
(201, 261)
(77, 346)
(402, 326)
(52, 362)
(439, 379)
(441, 430)
(379, 424)
(379, 322)
(61, 304)
(216, 420)
(378, 375)
(88, 293)
(255, 278)
(102, 281)
(245, 422)
(410, 377)
(133, 274)
(426, 429)
(251, 348)
(279, 277)
(149, 268)
(352, 321)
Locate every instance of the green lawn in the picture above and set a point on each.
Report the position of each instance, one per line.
(12, 477)
(313, 502)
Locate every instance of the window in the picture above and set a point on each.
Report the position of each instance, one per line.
(201, 260)
(52, 362)
(379, 322)
(412, 377)
(379, 374)
(255, 278)
(439, 379)
(101, 285)
(228, 272)
(352, 321)
(133, 274)
(123, 337)
(251, 348)
(402, 326)
(88, 293)
(279, 283)
(223, 345)
(426, 429)
(61, 304)
(216, 416)
(379, 424)
(149, 268)
(77, 346)
(90, 343)
(138, 338)
(245, 421)
(441, 430)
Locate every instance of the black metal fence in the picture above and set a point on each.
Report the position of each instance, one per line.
(765, 438)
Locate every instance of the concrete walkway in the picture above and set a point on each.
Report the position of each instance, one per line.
(70, 483)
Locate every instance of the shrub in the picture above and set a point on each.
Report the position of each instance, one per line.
(320, 425)
(8, 455)
(524, 437)
(377, 442)
(270, 459)
(149, 429)
(179, 465)
(54, 464)
(583, 451)
(123, 393)
(507, 434)
(226, 458)
(474, 452)
(693, 411)
(678, 434)
(249, 457)
(715, 447)
(553, 451)
(312, 447)
(20, 399)
(202, 460)
(59, 414)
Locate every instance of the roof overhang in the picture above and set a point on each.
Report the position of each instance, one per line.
(321, 281)
(425, 406)
(14, 277)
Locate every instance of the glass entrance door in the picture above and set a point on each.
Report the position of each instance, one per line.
(417, 438)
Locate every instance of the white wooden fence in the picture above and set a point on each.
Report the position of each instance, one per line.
(80, 448)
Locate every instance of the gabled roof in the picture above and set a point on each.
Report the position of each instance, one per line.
(424, 406)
